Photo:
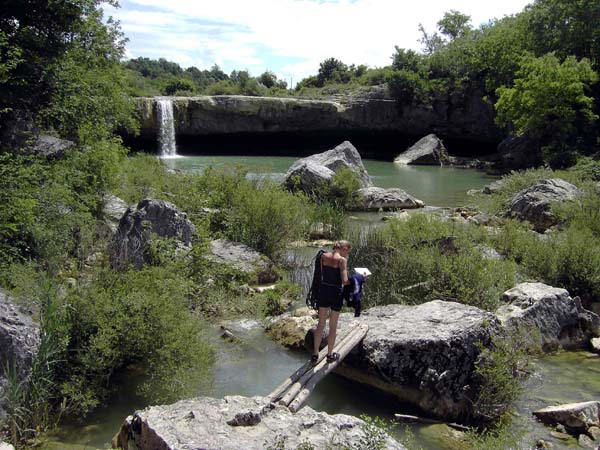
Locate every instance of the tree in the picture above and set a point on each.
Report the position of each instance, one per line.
(267, 79)
(178, 85)
(404, 59)
(551, 100)
(332, 70)
(454, 24)
(567, 27)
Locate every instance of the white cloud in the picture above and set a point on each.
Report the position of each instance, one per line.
(292, 35)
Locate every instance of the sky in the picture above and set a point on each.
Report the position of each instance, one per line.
(287, 37)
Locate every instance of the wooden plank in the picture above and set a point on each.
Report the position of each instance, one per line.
(295, 387)
(289, 381)
(343, 351)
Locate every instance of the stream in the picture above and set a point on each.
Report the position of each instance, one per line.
(258, 365)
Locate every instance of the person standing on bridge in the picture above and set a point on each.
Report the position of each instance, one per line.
(334, 275)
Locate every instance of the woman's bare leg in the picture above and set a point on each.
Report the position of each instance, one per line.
(320, 327)
(333, 321)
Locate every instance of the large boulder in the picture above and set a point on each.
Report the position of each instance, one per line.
(534, 203)
(19, 342)
(376, 198)
(243, 258)
(576, 417)
(428, 151)
(235, 423)
(139, 223)
(50, 146)
(315, 171)
(517, 153)
(290, 329)
(423, 354)
(548, 315)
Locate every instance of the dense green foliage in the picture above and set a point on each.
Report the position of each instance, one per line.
(425, 258)
(60, 69)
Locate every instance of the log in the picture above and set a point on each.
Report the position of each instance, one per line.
(295, 387)
(343, 351)
(289, 381)
(409, 418)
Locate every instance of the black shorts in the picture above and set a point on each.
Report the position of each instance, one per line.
(330, 297)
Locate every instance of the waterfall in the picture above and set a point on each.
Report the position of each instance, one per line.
(166, 131)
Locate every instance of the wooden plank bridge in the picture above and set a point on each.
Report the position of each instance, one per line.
(296, 388)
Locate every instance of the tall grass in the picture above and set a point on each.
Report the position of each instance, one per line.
(413, 262)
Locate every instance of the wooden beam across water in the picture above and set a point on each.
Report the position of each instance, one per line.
(280, 390)
(294, 391)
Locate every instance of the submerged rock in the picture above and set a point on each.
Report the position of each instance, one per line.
(548, 316)
(376, 198)
(235, 423)
(428, 151)
(139, 223)
(576, 417)
(315, 171)
(534, 203)
(424, 354)
(241, 257)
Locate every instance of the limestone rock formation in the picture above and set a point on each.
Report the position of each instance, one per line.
(113, 210)
(560, 320)
(424, 354)
(241, 257)
(19, 342)
(534, 203)
(310, 173)
(576, 417)
(467, 116)
(428, 151)
(139, 223)
(235, 423)
(376, 198)
(50, 146)
(290, 330)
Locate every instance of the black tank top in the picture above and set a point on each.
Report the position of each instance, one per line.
(331, 276)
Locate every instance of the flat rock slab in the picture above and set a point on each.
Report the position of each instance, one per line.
(202, 423)
(241, 257)
(424, 354)
(576, 417)
(376, 198)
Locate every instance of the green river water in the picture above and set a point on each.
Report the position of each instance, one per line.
(258, 365)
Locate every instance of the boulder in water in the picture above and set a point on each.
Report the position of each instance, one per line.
(428, 150)
(557, 319)
(423, 354)
(315, 171)
(576, 417)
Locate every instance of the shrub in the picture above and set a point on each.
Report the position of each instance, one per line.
(416, 262)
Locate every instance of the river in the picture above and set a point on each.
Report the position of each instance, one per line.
(258, 365)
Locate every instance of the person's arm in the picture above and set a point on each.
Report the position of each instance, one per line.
(344, 271)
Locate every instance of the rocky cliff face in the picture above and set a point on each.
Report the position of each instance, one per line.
(465, 117)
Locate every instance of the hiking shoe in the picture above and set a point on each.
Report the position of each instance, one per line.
(332, 357)
(314, 359)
